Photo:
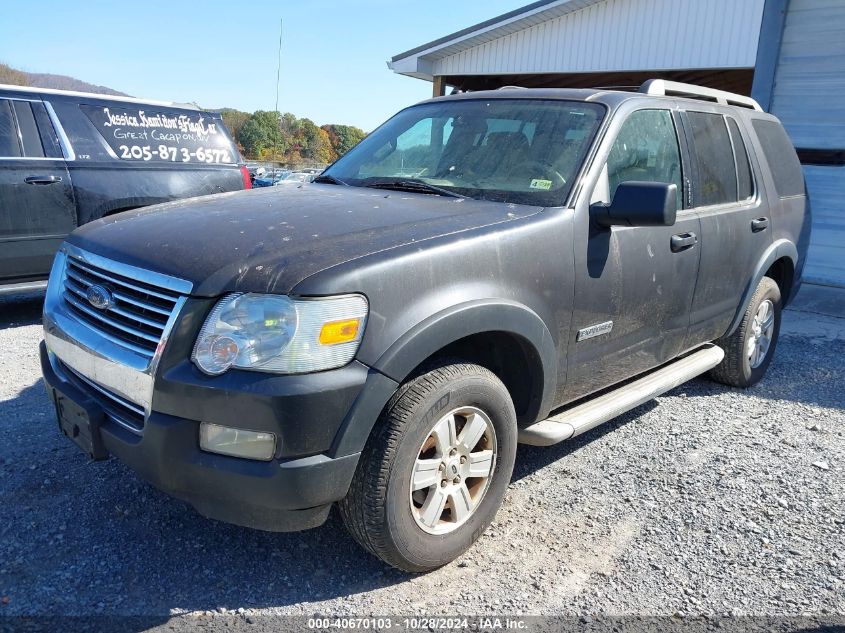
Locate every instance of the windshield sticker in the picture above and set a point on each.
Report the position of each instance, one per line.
(538, 183)
(148, 134)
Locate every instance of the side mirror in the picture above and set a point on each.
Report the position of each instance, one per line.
(638, 203)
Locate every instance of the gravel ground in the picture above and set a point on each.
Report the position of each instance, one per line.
(709, 500)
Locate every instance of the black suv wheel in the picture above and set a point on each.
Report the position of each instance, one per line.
(436, 468)
(749, 350)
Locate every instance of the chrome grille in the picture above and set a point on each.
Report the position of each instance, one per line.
(140, 312)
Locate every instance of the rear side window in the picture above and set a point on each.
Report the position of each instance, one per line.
(30, 137)
(745, 183)
(9, 145)
(19, 135)
(781, 156)
(717, 181)
(149, 133)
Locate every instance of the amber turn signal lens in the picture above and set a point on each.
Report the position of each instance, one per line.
(339, 332)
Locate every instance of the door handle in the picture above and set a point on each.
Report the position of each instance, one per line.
(42, 180)
(760, 224)
(683, 241)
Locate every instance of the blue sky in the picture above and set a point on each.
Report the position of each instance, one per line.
(224, 53)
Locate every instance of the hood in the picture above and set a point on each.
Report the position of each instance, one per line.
(268, 240)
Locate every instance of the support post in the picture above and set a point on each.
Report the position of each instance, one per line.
(768, 51)
(438, 87)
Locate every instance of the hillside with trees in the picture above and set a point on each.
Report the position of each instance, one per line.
(15, 77)
(12, 76)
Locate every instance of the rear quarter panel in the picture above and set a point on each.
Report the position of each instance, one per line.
(102, 187)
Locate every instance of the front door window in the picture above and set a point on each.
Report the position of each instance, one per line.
(646, 149)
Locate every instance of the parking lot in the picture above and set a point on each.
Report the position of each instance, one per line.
(708, 500)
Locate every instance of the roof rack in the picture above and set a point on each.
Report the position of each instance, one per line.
(662, 87)
(617, 88)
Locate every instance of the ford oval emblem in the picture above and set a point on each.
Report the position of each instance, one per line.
(99, 297)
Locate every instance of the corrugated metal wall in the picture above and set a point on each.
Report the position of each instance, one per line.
(809, 91)
(622, 35)
(809, 97)
(826, 259)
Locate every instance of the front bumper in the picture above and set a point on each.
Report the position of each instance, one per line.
(279, 495)
(145, 404)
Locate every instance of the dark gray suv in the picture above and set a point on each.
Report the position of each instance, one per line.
(484, 269)
(67, 158)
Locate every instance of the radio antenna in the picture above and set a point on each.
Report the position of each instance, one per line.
(278, 117)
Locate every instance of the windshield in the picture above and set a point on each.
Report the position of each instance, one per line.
(524, 151)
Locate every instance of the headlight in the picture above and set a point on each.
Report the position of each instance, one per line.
(277, 334)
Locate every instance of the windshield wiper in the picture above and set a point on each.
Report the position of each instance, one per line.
(416, 186)
(329, 179)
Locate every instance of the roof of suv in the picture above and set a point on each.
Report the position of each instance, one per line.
(93, 95)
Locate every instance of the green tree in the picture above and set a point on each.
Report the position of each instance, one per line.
(324, 152)
(293, 133)
(261, 134)
(234, 121)
(289, 124)
(310, 141)
(343, 137)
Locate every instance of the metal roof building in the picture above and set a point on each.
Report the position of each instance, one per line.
(577, 43)
(788, 54)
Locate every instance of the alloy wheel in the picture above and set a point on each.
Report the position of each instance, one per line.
(453, 470)
(762, 329)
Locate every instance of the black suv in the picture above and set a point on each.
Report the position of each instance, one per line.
(484, 269)
(67, 158)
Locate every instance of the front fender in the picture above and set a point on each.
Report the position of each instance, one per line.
(466, 319)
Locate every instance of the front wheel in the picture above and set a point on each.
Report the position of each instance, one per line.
(749, 350)
(436, 468)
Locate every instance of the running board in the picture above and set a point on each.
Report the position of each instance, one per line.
(21, 288)
(590, 414)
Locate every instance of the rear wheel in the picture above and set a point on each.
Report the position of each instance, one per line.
(436, 468)
(749, 350)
